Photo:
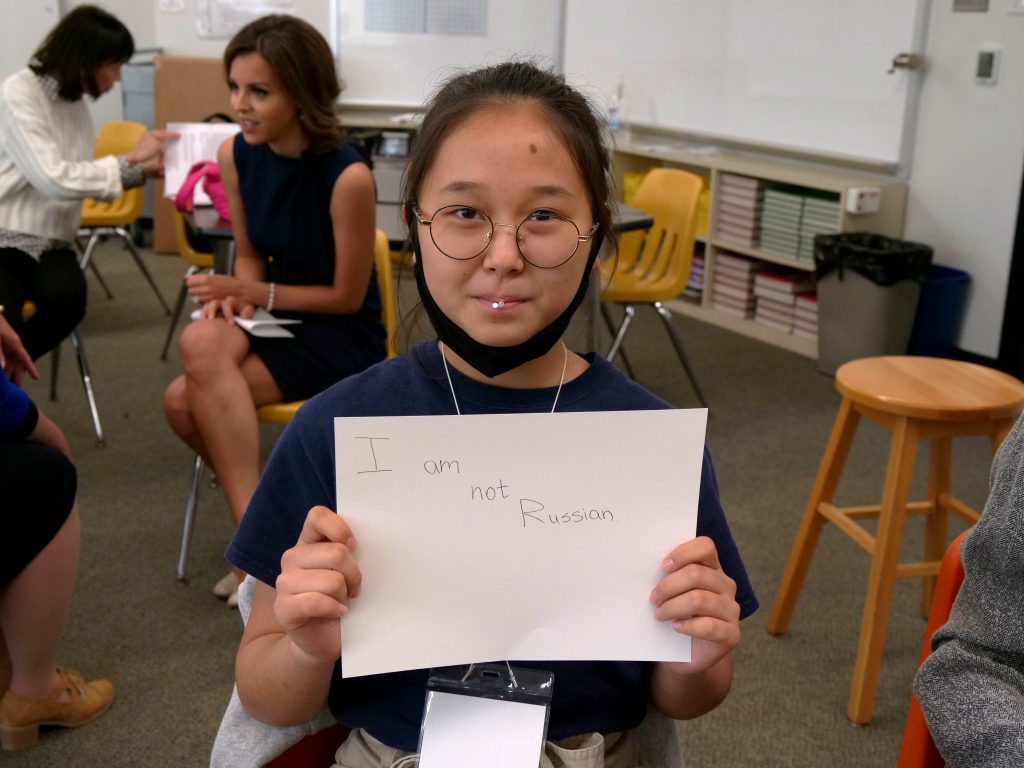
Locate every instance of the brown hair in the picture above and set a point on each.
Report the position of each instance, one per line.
(302, 60)
(507, 84)
(83, 41)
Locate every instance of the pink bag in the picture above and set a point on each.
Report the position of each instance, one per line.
(208, 173)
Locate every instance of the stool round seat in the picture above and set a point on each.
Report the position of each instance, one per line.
(931, 388)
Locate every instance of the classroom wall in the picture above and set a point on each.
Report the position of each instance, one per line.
(969, 159)
(969, 147)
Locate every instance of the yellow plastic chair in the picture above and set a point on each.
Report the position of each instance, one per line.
(654, 269)
(101, 220)
(282, 413)
(197, 262)
(27, 311)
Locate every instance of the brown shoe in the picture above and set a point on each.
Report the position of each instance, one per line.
(71, 703)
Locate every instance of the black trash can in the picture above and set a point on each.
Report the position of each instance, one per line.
(939, 311)
(868, 288)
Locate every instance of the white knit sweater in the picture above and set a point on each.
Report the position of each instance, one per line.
(46, 165)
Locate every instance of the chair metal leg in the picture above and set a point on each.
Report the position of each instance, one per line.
(83, 367)
(179, 304)
(124, 235)
(190, 517)
(677, 342)
(87, 252)
(100, 280)
(627, 319)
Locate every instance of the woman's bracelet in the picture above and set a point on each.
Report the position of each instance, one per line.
(270, 298)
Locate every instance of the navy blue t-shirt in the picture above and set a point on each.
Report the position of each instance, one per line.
(590, 696)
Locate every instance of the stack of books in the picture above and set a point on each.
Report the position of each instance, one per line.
(780, 222)
(821, 217)
(732, 286)
(776, 294)
(739, 209)
(694, 289)
(805, 316)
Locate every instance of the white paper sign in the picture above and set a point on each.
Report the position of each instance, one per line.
(196, 142)
(528, 537)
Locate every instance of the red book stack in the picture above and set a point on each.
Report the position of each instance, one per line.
(776, 294)
(739, 209)
(732, 285)
(805, 316)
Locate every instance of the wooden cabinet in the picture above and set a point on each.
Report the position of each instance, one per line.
(798, 177)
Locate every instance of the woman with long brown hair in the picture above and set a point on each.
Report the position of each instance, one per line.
(303, 216)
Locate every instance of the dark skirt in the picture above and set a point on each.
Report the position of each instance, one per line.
(38, 485)
(325, 350)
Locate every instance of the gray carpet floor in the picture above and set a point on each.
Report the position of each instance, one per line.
(169, 648)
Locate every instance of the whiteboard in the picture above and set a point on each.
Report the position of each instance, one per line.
(808, 75)
(19, 39)
(403, 68)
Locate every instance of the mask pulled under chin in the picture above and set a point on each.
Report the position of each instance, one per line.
(493, 361)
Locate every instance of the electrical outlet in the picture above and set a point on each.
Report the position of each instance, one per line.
(863, 199)
(986, 69)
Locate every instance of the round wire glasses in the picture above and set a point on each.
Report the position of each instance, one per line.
(544, 239)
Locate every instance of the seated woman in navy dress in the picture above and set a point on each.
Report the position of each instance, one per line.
(303, 217)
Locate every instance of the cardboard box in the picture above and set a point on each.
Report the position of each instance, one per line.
(185, 89)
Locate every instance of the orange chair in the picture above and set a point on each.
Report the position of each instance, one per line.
(282, 413)
(654, 268)
(918, 749)
(318, 749)
(105, 219)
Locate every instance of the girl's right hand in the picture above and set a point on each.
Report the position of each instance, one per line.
(319, 576)
(227, 308)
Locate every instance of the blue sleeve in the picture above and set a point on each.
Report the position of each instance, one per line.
(18, 415)
(711, 522)
(298, 476)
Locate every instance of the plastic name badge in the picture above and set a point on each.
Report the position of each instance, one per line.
(485, 714)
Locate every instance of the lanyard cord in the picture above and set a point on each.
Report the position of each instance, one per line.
(561, 380)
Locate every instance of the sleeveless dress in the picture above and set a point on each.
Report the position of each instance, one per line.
(288, 221)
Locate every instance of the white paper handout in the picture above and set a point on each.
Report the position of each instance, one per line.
(264, 324)
(527, 537)
(197, 141)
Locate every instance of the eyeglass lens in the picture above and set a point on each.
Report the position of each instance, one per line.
(544, 239)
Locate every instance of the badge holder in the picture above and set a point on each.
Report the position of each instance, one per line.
(485, 714)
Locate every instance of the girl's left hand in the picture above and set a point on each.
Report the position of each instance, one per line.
(699, 599)
(206, 287)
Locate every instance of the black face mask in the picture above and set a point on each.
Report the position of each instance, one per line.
(494, 361)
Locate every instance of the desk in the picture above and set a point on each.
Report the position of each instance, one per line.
(626, 218)
(204, 223)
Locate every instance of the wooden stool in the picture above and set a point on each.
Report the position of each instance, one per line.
(915, 398)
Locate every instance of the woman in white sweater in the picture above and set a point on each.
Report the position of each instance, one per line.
(47, 169)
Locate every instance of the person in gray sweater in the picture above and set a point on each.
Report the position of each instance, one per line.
(971, 687)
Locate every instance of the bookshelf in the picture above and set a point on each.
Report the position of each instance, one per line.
(639, 152)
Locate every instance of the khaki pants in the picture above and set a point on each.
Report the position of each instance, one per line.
(592, 750)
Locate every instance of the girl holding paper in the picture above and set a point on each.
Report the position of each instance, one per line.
(507, 199)
(303, 216)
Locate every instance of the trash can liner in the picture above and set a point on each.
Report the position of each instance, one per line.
(882, 260)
